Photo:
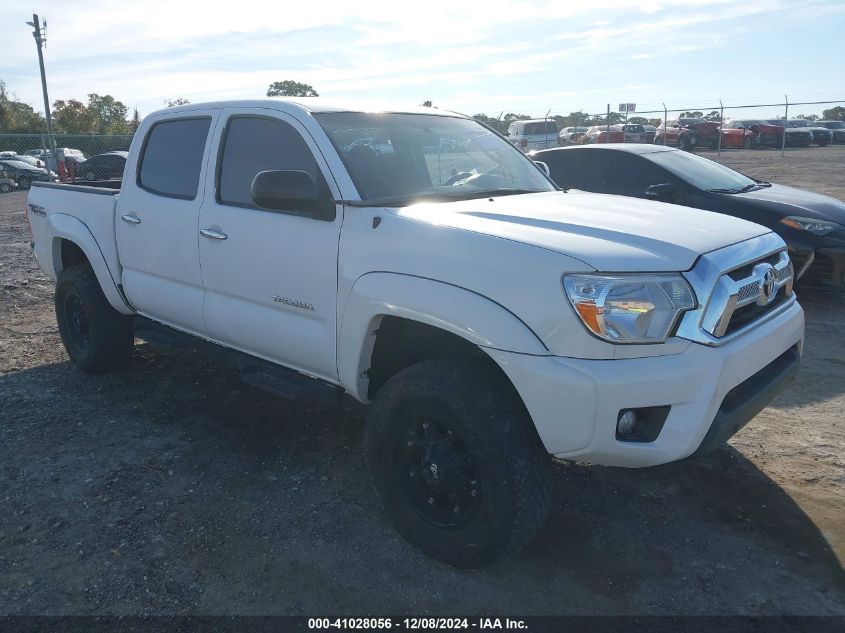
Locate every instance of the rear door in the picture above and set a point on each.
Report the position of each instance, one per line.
(270, 276)
(158, 212)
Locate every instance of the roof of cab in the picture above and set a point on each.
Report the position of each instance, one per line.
(310, 105)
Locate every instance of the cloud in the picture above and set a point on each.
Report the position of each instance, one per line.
(475, 57)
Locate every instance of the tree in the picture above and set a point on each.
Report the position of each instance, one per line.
(109, 114)
(427, 104)
(573, 119)
(136, 119)
(16, 116)
(496, 124)
(808, 117)
(290, 88)
(72, 117)
(101, 115)
(714, 116)
(176, 102)
(638, 120)
(691, 115)
(834, 114)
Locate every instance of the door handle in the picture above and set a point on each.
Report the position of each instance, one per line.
(212, 234)
(130, 218)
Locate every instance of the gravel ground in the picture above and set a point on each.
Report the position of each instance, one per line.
(172, 488)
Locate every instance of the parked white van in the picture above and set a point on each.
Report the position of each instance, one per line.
(533, 134)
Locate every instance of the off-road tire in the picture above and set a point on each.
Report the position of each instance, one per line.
(105, 343)
(491, 425)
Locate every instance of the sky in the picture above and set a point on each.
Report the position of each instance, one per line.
(473, 57)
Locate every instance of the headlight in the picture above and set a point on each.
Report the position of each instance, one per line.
(629, 308)
(816, 227)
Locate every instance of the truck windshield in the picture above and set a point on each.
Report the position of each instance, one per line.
(401, 158)
(702, 173)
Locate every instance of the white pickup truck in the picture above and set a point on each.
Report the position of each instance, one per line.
(490, 319)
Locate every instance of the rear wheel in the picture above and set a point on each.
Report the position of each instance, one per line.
(5, 187)
(457, 463)
(96, 336)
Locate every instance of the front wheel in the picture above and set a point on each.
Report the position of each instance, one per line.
(24, 182)
(96, 336)
(5, 187)
(684, 143)
(457, 463)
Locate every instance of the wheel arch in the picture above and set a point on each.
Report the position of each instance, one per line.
(391, 320)
(71, 242)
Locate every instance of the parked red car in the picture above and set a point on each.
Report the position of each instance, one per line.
(686, 134)
(751, 133)
(599, 134)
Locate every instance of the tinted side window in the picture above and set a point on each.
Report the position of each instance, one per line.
(172, 158)
(563, 167)
(621, 175)
(254, 144)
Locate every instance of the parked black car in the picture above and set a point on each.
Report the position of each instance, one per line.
(812, 225)
(837, 129)
(102, 166)
(25, 174)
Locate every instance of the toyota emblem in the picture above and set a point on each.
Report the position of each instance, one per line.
(769, 287)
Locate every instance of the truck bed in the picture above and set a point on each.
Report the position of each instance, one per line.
(53, 206)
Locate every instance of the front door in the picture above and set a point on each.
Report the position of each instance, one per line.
(270, 276)
(158, 211)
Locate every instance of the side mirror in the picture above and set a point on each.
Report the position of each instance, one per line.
(290, 190)
(663, 191)
(544, 167)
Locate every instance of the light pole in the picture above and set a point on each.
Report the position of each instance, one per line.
(39, 40)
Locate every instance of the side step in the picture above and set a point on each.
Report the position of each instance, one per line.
(281, 381)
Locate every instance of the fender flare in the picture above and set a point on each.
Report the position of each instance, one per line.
(454, 309)
(61, 226)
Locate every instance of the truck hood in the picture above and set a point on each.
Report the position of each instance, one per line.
(609, 233)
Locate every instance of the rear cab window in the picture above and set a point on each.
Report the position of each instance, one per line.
(171, 158)
(541, 127)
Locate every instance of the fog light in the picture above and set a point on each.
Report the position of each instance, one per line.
(627, 422)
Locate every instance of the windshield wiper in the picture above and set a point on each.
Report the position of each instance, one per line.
(744, 189)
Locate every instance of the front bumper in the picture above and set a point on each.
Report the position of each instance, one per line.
(575, 403)
(822, 266)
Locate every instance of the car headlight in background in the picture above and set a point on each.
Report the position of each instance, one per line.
(811, 225)
(639, 308)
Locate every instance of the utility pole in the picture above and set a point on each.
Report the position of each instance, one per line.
(40, 39)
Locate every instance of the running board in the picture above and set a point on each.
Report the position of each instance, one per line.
(281, 381)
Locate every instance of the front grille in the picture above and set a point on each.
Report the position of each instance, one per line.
(747, 293)
(747, 314)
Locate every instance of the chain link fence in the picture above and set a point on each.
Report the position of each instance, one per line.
(25, 158)
(716, 127)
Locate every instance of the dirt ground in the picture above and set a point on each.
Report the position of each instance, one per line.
(171, 487)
